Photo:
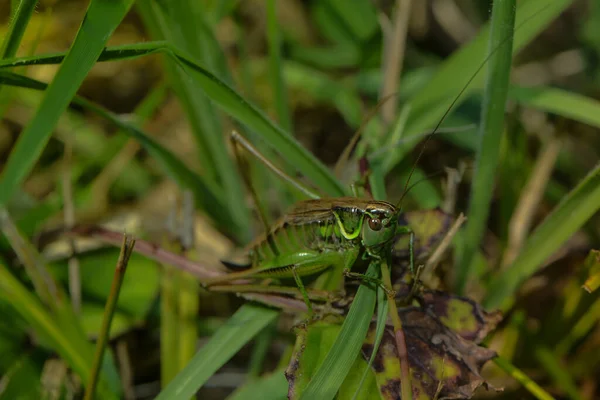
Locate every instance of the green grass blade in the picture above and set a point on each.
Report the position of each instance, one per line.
(490, 135)
(183, 24)
(239, 330)
(324, 88)
(560, 102)
(101, 19)
(433, 101)
(79, 358)
(109, 312)
(568, 216)
(207, 195)
(331, 374)
(523, 379)
(236, 106)
(112, 53)
(272, 387)
(548, 361)
(19, 20)
(276, 67)
(382, 312)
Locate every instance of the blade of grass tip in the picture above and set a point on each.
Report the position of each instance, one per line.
(523, 379)
(276, 67)
(490, 134)
(247, 321)
(101, 19)
(567, 217)
(336, 365)
(109, 310)
(19, 19)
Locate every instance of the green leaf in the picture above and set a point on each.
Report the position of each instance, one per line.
(101, 19)
(276, 67)
(183, 24)
(208, 196)
(560, 102)
(592, 268)
(490, 135)
(568, 216)
(270, 387)
(459, 76)
(18, 23)
(72, 349)
(234, 104)
(340, 358)
(239, 330)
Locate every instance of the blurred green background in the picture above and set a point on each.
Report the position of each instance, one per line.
(147, 140)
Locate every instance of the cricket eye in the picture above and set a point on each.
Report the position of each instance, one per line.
(375, 224)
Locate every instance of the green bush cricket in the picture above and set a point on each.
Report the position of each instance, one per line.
(317, 235)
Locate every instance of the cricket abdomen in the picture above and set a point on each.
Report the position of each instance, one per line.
(286, 238)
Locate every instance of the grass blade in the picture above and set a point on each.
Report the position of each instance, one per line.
(548, 360)
(272, 387)
(239, 329)
(560, 102)
(431, 102)
(101, 19)
(111, 304)
(568, 216)
(19, 20)
(523, 379)
(331, 374)
(208, 196)
(490, 135)
(234, 104)
(183, 24)
(276, 67)
(382, 311)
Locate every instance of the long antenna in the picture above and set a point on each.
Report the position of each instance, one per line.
(464, 88)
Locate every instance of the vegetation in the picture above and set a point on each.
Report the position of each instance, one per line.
(117, 117)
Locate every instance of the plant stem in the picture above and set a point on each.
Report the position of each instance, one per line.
(109, 310)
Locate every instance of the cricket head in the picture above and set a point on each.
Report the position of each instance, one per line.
(379, 226)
